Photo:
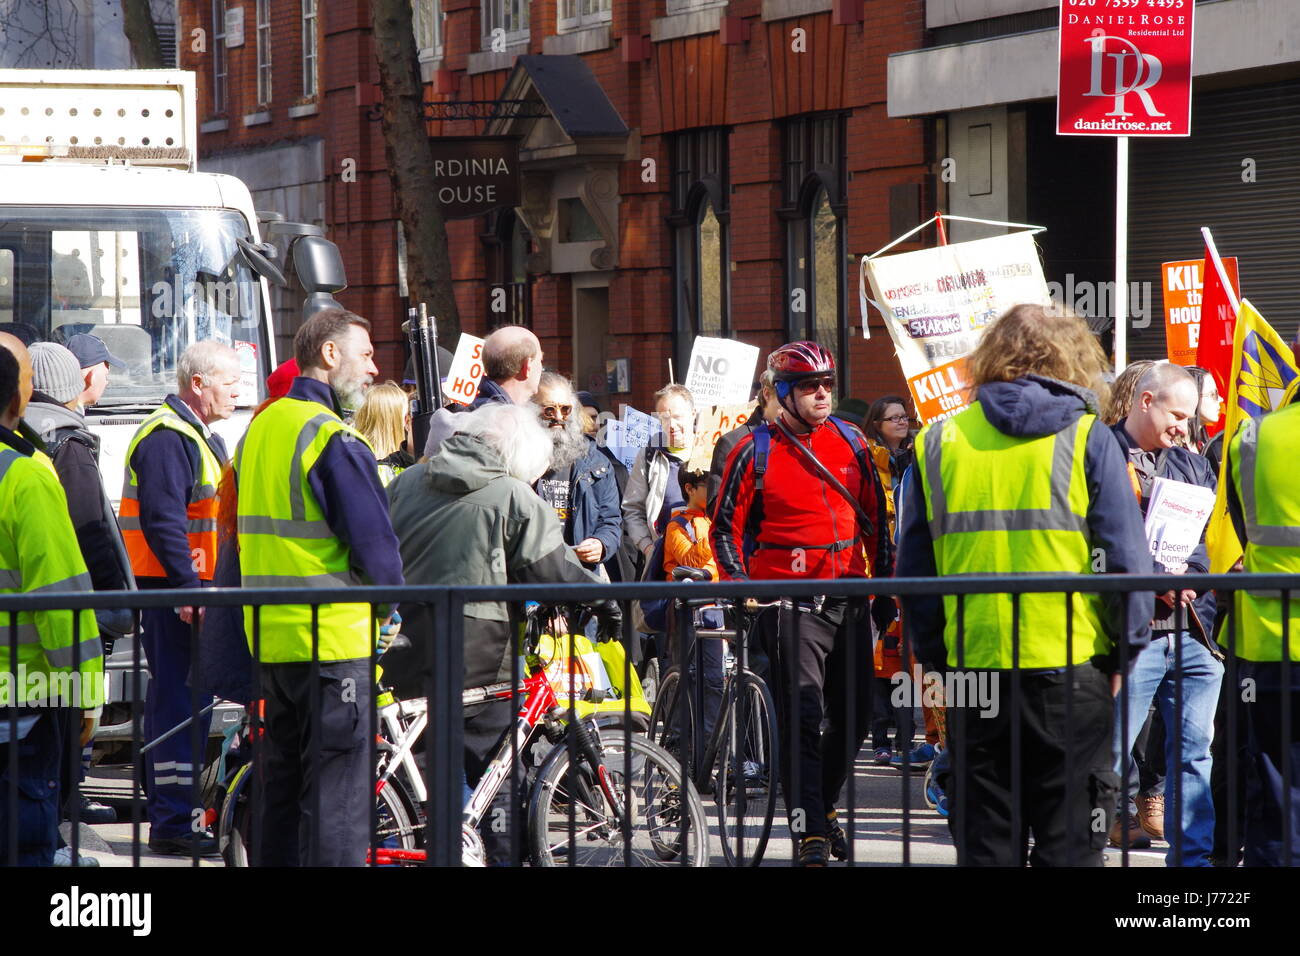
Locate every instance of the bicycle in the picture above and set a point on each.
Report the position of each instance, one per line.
(740, 760)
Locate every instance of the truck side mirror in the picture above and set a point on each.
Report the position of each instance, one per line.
(319, 266)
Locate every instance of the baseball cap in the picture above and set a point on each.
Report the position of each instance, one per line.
(91, 350)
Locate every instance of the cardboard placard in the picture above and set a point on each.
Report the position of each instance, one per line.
(1183, 282)
(461, 383)
(711, 425)
(940, 392)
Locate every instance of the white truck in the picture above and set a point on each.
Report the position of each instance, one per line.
(107, 227)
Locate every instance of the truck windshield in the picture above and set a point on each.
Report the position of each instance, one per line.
(148, 282)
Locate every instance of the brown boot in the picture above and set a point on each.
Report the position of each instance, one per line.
(1151, 814)
(1137, 838)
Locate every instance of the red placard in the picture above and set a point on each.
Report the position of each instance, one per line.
(1125, 68)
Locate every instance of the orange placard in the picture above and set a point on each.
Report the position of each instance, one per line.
(1182, 283)
(940, 392)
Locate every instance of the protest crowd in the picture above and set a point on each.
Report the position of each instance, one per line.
(1056, 466)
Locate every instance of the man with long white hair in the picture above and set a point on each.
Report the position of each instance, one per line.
(469, 516)
(580, 484)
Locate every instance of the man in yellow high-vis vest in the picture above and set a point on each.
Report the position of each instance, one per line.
(313, 514)
(51, 662)
(169, 525)
(1264, 500)
(1026, 481)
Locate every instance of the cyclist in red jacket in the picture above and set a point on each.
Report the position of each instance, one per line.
(778, 515)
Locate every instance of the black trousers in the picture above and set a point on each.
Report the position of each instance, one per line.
(486, 726)
(1068, 814)
(823, 662)
(291, 782)
(40, 755)
(1270, 796)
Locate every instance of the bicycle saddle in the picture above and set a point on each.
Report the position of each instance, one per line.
(684, 573)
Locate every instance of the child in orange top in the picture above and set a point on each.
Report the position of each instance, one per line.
(686, 540)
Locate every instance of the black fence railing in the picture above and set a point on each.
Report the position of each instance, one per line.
(559, 785)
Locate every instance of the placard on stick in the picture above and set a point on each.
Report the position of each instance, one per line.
(461, 383)
(721, 371)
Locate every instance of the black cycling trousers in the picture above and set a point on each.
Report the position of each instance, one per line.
(821, 670)
(1068, 814)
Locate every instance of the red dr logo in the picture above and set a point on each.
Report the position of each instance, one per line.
(1145, 70)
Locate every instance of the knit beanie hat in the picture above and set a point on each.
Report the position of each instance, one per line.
(56, 372)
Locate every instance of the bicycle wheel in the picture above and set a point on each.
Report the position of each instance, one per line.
(661, 812)
(395, 828)
(668, 728)
(746, 772)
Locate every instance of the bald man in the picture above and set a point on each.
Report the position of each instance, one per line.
(15, 345)
(512, 361)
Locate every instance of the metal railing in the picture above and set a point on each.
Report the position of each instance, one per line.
(443, 736)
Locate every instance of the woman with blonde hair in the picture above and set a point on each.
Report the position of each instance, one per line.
(385, 419)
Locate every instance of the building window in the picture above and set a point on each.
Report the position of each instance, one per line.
(505, 23)
(814, 207)
(686, 6)
(263, 52)
(580, 14)
(701, 238)
(309, 21)
(510, 300)
(218, 56)
(426, 18)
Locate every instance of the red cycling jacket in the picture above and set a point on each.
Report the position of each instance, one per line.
(804, 528)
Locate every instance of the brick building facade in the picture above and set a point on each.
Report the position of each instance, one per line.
(744, 164)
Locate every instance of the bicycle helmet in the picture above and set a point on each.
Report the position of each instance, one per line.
(792, 362)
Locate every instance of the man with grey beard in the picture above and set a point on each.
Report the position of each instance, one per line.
(580, 485)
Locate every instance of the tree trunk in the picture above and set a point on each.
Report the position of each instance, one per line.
(410, 166)
(137, 23)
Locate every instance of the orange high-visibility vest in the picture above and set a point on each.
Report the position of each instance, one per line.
(201, 511)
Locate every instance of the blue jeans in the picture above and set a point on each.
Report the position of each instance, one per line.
(1154, 675)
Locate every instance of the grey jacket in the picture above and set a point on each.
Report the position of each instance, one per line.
(461, 519)
(647, 483)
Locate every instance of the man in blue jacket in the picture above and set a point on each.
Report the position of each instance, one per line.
(1164, 402)
(580, 484)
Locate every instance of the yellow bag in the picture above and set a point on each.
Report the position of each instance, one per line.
(574, 669)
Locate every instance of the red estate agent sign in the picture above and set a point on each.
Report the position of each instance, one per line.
(1125, 68)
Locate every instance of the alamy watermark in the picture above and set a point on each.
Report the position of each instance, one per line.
(1089, 299)
(41, 688)
(978, 690)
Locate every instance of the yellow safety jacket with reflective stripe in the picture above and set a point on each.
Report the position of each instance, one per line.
(1264, 475)
(201, 511)
(1000, 504)
(284, 540)
(59, 656)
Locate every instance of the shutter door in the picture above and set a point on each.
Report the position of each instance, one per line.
(1178, 185)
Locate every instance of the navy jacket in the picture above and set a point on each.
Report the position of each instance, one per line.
(165, 465)
(595, 509)
(1034, 406)
(1179, 464)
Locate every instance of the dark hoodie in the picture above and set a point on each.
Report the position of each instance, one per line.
(1031, 407)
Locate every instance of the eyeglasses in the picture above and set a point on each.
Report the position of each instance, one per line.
(896, 419)
(557, 411)
(807, 386)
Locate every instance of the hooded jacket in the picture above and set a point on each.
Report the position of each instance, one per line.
(1032, 407)
(74, 450)
(461, 519)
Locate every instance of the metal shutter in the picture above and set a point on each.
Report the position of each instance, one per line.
(1178, 185)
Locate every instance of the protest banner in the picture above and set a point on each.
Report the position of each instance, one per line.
(461, 383)
(712, 424)
(628, 434)
(937, 303)
(1176, 516)
(1184, 283)
(721, 371)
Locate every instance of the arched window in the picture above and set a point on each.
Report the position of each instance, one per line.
(701, 239)
(814, 210)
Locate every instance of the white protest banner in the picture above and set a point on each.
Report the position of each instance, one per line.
(713, 423)
(1176, 516)
(461, 383)
(937, 302)
(721, 371)
(628, 435)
